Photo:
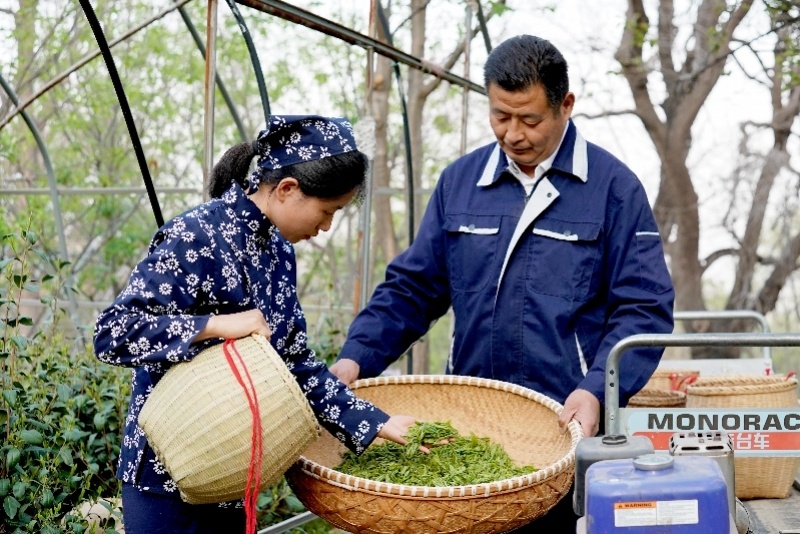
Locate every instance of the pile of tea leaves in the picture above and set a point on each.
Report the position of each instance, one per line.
(454, 460)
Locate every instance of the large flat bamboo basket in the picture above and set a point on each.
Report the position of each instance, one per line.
(755, 478)
(199, 422)
(523, 421)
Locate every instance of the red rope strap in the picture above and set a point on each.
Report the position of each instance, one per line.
(251, 490)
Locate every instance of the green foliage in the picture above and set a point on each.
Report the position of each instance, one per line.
(278, 503)
(328, 340)
(785, 15)
(497, 8)
(60, 411)
(444, 124)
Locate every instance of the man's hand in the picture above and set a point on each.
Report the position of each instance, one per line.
(235, 326)
(585, 409)
(345, 370)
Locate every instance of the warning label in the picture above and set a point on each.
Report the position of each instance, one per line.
(627, 505)
(650, 513)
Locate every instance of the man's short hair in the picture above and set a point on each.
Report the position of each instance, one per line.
(524, 61)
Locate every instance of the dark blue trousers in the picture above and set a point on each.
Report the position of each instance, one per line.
(152, 513)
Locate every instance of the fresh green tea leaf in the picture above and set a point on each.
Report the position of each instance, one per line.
(460, 461)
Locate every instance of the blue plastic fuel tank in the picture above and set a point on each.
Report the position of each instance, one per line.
(657, 494)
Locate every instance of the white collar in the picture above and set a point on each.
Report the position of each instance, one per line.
(579, 160)
(542, 167)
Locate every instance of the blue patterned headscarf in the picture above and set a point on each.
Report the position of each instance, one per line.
(292, 139)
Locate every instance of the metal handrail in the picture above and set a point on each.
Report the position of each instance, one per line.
(728, 314)
(677, 340)
(288, 524)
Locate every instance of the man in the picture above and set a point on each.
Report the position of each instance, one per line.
(544, 245)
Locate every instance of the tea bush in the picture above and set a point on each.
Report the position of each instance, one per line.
(60, 411)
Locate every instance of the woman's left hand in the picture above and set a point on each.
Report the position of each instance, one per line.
(235, 326)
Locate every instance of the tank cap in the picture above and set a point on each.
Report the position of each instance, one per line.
(653, 462)
(614, 439)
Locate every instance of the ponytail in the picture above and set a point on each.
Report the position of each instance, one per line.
(233, 166)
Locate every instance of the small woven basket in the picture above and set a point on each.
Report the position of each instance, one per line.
(654, 398)
(755, 478)
(522, 421)
(199, 422)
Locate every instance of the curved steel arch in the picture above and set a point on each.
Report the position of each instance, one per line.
(251, 49)
(123, 101)
(222, 88)
(100, 37)
(315, 22)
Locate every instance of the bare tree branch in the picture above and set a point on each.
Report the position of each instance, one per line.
(785, 266)
(718, 254)
(453, 57)
(699, 76)
(743, 69)
(605, 114)
(630, 56)
(666, 39)
(414, 11)
(783, 116)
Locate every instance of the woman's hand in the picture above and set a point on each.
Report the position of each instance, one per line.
(235, 326)
(345, 370)
(396, 428)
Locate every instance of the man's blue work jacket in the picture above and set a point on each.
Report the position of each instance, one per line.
(541, 288)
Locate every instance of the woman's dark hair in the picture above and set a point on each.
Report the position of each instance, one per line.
(329, 177)
(524, 61)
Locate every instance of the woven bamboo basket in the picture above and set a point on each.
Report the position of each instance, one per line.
(672, 379)
(199, 422)
(648, 398)
(523, 421)
(755, 478)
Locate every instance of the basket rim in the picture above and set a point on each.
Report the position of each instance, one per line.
(659, 393)
(667, 372)
(657, 398)
(741, 385)
(350, 482)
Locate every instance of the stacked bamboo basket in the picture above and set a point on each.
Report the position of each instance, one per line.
(665, 389)
(755, 477)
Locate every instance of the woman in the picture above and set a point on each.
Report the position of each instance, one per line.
(226, 269)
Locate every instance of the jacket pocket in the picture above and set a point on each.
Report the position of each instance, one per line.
(563, 257)
(472, 250)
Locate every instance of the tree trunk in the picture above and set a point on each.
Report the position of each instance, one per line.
(687, 88)
(416, 104)
(385, 244)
